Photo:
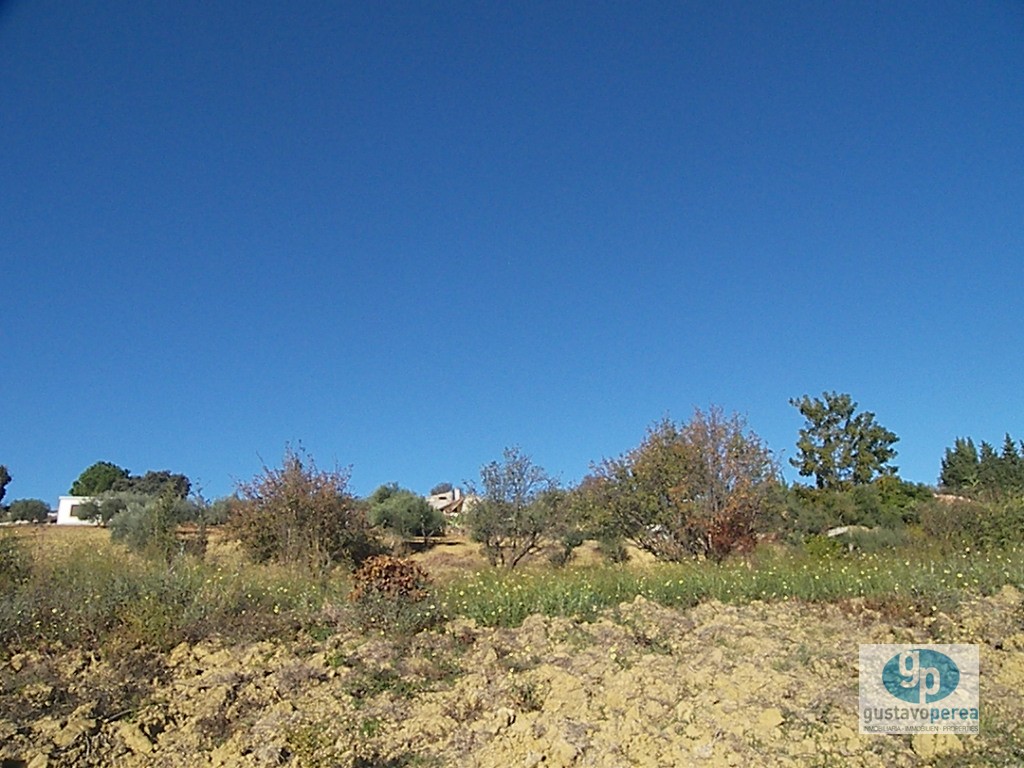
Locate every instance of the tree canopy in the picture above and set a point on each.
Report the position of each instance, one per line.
(32, 510)
(839, 447)
(5, 478)
(404, 512)
(98, 478)
(696, 488)
(512, 513)
(984, 471)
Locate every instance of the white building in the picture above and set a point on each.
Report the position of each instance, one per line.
(67, 507)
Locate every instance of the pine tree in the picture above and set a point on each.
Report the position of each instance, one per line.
(959, 472)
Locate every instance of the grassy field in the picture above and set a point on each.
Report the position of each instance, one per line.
(75, 587)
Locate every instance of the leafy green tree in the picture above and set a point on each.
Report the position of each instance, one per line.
(32, 510)
(301, 514)
(5, 478)
(155, 484)
(404, 512)
(509, 517)
(841, 449)
(697, 488)
(101, 476)
(148, 524)
(959, 471)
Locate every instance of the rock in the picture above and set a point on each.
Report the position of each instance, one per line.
(929, 745)
(134, 738)
(769, 720)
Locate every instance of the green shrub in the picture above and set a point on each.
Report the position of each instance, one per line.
(31, 510)
(613, 548)
(148, 525)
(960, 522)
(823, 547)
(15, 562)
(566, 547)
(405, 513)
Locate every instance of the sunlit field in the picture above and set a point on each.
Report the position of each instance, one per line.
(76, 587)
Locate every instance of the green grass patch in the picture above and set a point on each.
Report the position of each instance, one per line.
(926, 580)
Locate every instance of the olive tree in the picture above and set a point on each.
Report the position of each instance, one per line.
(514, 508)
(404, 512)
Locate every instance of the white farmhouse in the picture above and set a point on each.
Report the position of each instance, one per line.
(67, 508)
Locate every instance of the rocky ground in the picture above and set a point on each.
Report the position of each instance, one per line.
(717, 685)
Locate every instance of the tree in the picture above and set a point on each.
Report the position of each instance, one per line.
(32, 510)
(404, 512)
(441, 488)
(155, 484)
(697, 488)
(302, 514)
(148, 524)
(959, 471)
(5, 478)
(101, 476)
(990, 474)
(838, 448)
(510, 518)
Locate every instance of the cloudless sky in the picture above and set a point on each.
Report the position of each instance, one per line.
(408, 235)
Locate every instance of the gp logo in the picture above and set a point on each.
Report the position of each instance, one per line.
(921, 676)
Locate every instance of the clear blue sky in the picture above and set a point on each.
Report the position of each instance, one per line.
(410, 234)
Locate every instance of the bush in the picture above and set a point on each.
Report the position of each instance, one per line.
(404, 513)
(15, 562)
(393, 595)
(301, 514)
(148, 525)
(888, 502)
(961, 522)
(32, 510)
(566, 547)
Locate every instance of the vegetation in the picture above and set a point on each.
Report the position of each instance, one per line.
(98, 478)
(393, 595)
(704, 497)
(5, 478)
(29, 510)
(515, 509)
(302, 514)
(689, 489)
(158, 483)
(983, 473)
(404, 513)
(840, 449)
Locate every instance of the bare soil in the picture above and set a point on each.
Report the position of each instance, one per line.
(763, 684)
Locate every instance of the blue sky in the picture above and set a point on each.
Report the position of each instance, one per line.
(407, 235)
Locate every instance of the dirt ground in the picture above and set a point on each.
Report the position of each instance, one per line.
(763, 684)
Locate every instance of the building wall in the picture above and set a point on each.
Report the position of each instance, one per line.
(66, 510)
